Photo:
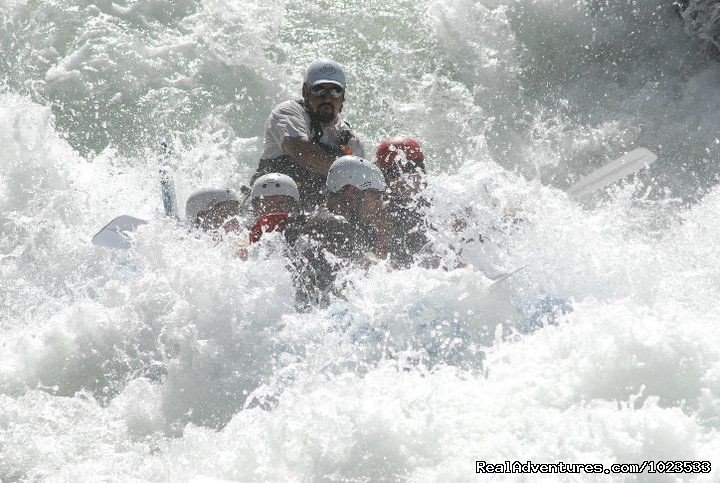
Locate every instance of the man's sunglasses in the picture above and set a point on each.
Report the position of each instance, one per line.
(335, 92)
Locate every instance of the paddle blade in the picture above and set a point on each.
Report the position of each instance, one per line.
(116, 233)
(628, 164)
(504, 276)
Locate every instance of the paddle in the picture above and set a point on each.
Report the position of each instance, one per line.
(167, 184)
(504, 276)
(601, 178)
(116, 233)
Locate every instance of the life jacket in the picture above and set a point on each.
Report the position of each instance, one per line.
(268, 223)
(321, 246)
(310, 184)
(409, 230)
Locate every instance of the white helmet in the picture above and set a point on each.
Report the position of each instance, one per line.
(275, 184)
(204, 200)
(354, 171)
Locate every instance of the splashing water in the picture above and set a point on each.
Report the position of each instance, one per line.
(176, 361)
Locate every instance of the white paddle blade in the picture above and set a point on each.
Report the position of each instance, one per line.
(630, 163)
(116, 233)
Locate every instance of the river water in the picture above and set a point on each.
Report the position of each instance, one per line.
(175, 361)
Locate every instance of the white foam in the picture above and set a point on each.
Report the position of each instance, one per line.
(177, 361)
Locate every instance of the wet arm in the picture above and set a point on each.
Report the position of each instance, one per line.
(307, 154)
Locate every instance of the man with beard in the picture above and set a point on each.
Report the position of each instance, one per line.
(304, 137)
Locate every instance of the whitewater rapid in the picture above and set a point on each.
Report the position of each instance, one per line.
(176, 361)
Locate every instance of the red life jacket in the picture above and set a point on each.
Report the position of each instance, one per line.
(267, 223)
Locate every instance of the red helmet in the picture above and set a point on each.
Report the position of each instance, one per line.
(387, 152)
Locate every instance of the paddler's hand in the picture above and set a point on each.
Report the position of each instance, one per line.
(241, 248)
(369, 259)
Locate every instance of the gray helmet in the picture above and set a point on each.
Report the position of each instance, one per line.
(324, 71)
(354, 171)
(204, 200)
